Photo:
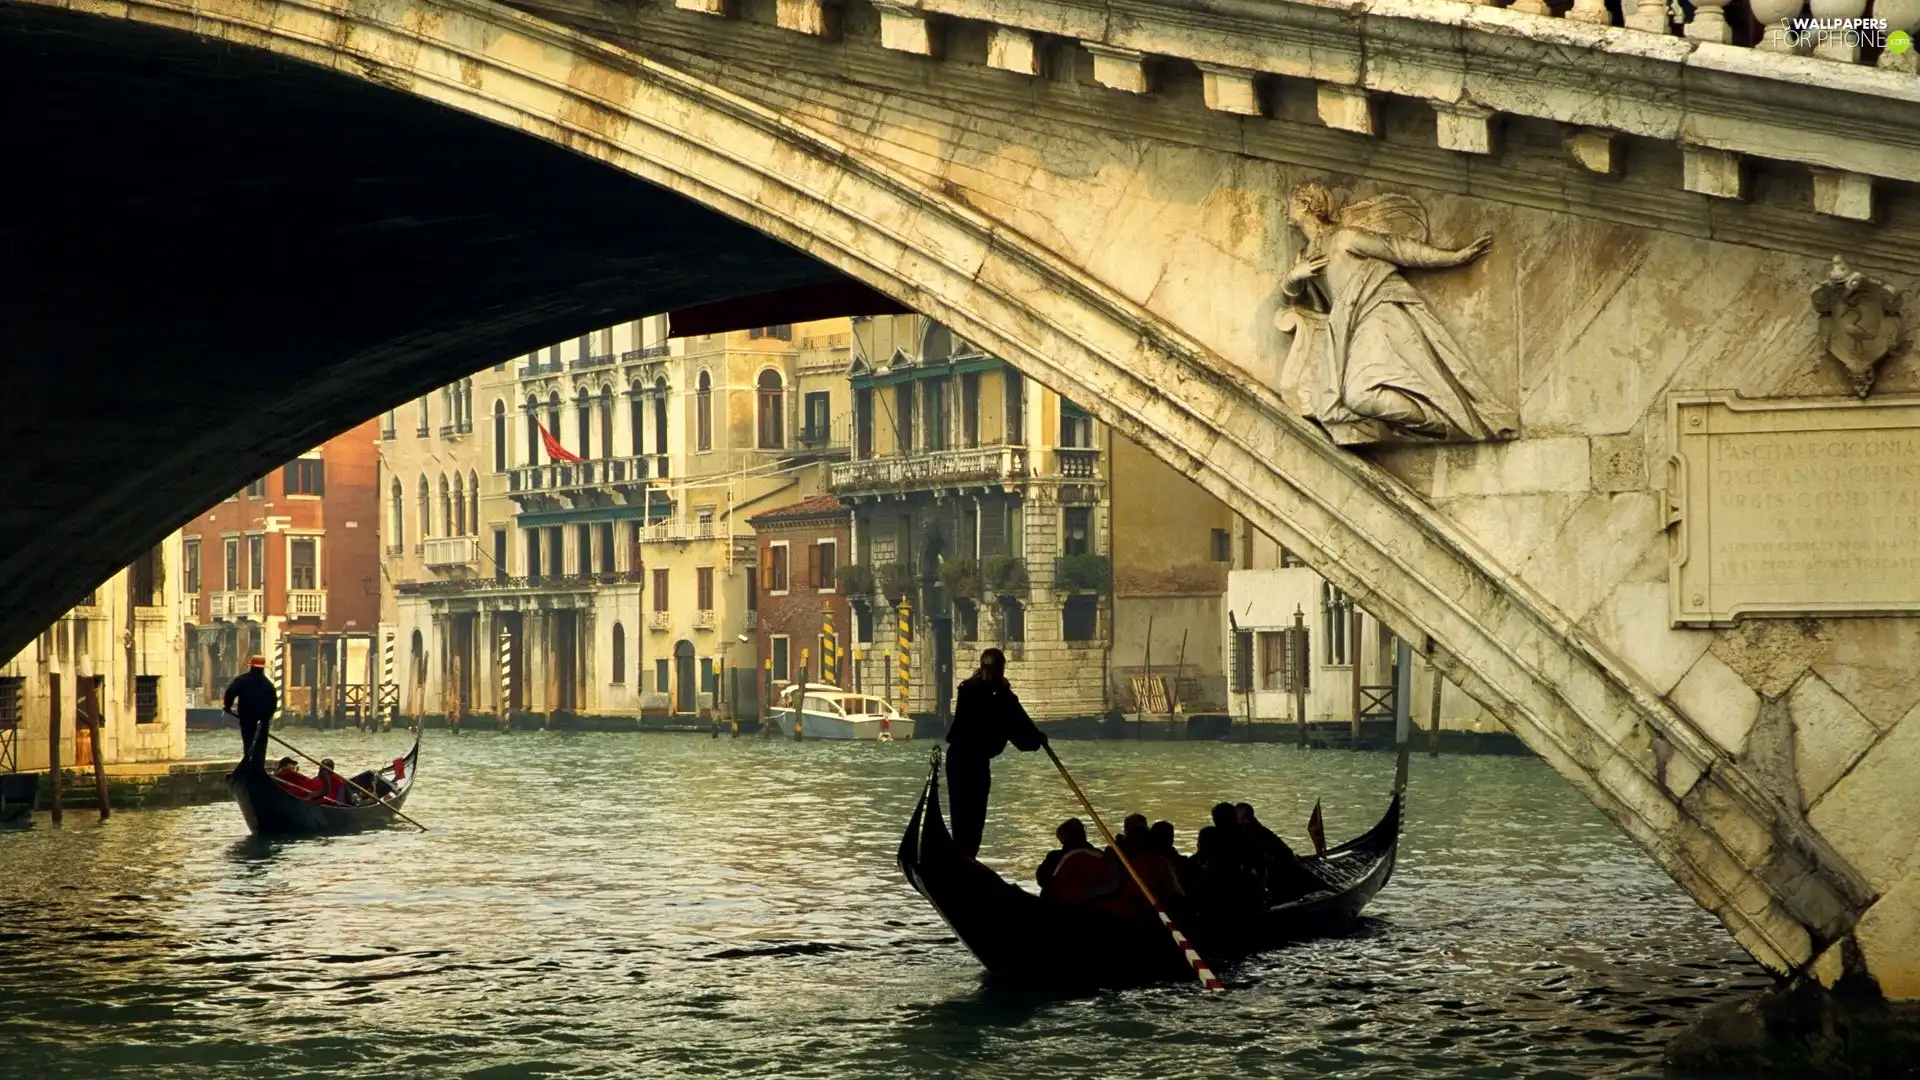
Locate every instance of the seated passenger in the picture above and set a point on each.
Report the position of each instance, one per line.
(293, 780)
(1218, 875)
(1086, 875)
(369, 781)
(1134, 835)
(1073, 838)
(1280, 870)
(332, 786)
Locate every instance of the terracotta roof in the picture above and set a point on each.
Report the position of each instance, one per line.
(824, 505)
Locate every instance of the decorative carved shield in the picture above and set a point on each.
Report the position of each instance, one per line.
(1859, 322)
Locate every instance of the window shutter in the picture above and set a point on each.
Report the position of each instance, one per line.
(1242, 661)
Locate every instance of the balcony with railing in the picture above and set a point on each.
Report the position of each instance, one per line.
(659, 620)
(753, 620)
(1075, 462)
(514, 584)
(454, 431)
(236, 604)
(588, 363)
(539, 367)
(678, 532)
(940, 468)
(307, 603)
(704, 620)
(450, 551)
(651, 352)
(557, 477)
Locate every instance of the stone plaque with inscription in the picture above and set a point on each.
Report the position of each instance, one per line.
(1784, 508)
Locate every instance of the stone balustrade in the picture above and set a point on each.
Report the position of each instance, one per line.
(1643, 75)
(987, 464)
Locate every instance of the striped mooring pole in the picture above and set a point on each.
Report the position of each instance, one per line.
(506, 677)
(387, 708)
(906, 655)
(829, 649)
(279, 674)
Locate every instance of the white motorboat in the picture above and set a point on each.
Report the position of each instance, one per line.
(828, 712)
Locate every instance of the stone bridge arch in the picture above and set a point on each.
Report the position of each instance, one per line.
(1774, 881)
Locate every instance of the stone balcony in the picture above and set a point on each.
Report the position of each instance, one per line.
(306, 603)
(986, 466)
(572, 479)
(444, 552)
(1078, 463)
(236, 604)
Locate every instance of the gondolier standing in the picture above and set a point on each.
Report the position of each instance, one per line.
(251, 697)
(986, 716)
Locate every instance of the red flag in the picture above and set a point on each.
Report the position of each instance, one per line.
(1317, 829)
(554, 449)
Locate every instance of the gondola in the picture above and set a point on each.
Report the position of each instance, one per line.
(1017, 936)
(273, 811)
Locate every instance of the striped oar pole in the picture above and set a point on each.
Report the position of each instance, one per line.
(906, 656)
(1200, 969)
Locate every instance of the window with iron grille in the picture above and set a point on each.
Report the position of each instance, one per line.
(146, 699)
(1080, 618)
(12, 694)
(1242, 661)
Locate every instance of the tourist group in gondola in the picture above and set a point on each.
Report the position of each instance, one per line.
(1104, 915)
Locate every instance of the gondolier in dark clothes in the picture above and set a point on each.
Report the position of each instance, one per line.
(986, 717)
(251, 697)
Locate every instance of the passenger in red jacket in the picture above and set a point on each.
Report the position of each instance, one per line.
(332, 786)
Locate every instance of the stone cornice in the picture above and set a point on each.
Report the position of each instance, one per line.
(1770, 105)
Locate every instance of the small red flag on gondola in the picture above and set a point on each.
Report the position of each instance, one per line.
(554, 449)
(1317, 829)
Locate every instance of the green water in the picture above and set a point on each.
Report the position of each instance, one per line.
(672, 906)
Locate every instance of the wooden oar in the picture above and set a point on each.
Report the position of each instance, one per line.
(393, 809)
(1200, 969)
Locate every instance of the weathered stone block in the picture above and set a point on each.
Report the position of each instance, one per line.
(1632, 623)
(811, 17)
(1347, 108)
(1889, 937)
(1012, 49)
(1594, 149)
(1619, 462)
(704, 7)
(1872, 815)
(1772, 654)
(1605, 541)
(907, 30)
(1843, 194)
(1718, 702)
(1829, 735)
(1712, 172)
(1870, 663)
(1513, 468)
(1464, 127)
(1230, 89)
(1119, 69)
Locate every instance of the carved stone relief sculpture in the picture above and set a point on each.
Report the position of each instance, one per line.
(1369, 360)
(1859, 322)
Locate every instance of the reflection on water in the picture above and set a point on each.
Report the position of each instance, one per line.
(595, 905)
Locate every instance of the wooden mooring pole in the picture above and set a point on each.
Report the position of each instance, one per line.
(54, 776)
(1354, 655)
(1298, 656)
(88, 690)
(1433, 713)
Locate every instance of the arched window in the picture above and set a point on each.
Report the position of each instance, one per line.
(473, 502)
(606, 420)
(660, 417)
(426, 508)
(553, 416)
(499, 435)
(773, 415)
(584, 407)
(459, 526)
(703, 412)
(937, 346)
(446, 507)
(418, 655)
(619, 653)
(533, 430)
(637, 418)
(466, 404)
(399, 522)
(450, 404)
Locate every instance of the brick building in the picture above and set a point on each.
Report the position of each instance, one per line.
(293, 558)
(802, 564)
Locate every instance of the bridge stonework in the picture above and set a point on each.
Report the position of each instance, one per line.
(1097, 192)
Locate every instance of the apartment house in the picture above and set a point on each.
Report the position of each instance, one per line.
(289, 567)
(118, 655)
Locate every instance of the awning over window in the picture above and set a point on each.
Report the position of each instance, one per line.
(829, 300)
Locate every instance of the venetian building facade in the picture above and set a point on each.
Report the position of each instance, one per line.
(118, 655)
(621, 585)
(289, 567)
(985, 501)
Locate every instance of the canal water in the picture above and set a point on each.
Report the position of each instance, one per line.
(670, 906)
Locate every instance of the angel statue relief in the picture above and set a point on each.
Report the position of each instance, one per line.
(1369, 361)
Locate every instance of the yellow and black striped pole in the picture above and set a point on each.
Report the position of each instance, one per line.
(906, 655)
(829, 649)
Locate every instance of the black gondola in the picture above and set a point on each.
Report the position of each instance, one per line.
(1017, 935)
(272, 810)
